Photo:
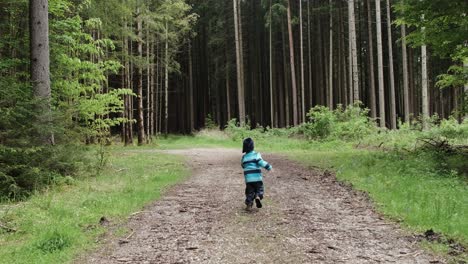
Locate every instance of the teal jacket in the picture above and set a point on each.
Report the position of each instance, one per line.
(252, 163)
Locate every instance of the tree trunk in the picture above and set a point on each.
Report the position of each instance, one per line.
(309, 54)
(272, 111)
(424, 86)
(302, 62)
(373, 103)
(240, 92)
(153, 90)
(166, 81)
(140, 117)
(148, 87)
(354, 65)
(465, 65)
(405, 75)
(293, 70)
(380, 63)
(192, 109)
(393, 117)
(330, 66)
(40, 61)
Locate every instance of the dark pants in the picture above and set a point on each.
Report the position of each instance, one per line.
(253, 189)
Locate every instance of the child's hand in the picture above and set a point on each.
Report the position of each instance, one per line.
(271, 170)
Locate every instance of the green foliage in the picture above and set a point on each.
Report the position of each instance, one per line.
(344, 124)
(443, 26)
(210, 123)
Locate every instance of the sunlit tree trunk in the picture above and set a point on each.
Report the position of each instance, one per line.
(240, 92)
(293, 70)
(465, 65)
(140, 117)
(302, 61)
(373, 104)
(424, 86)
(272, 112)
(191, 105)
(166, 81)
(405, 74)
(378, 20)
(352, 37)
(40, 60)
(309, 54)
(330, 66)
(393, 117)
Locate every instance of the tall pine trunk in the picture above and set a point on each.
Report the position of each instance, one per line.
(425, 88)
(373, 104)
(40, 61)
(293, 70)
(352, 37)
(302, 62)
(406, 103)
(240, 92)
(392, 98)
(191, 105)
(465, 65)
(272, 112)
(166, 81)
(140, 117)
(330, 66)
(378, 20)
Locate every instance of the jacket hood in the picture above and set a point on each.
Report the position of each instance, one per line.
(247, 145)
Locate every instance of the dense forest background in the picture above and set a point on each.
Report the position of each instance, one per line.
(139, 68)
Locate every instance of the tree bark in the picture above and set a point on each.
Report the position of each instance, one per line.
(302, 62)
(140, 117)
(309, 55)
(192, 109)
(405, 75)
(380, 63)
(293, 70)
(465, 89)
(40, 61)
(330, 66)
(424, 86)
(166, 81)
(354, 65)
(373, 104)
(272, 111)
(240, 92)
(393, 117)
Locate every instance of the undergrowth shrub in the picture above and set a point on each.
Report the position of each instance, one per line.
(340, 124)
(26, 163)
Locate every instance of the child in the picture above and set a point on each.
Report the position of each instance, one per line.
(252, 163)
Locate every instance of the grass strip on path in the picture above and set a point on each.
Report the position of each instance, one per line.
(57, 225)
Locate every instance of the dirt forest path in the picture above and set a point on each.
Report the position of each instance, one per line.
(308, 217)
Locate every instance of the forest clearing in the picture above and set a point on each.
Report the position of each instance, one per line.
(122, 124)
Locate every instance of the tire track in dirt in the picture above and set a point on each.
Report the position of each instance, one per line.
(308, 217)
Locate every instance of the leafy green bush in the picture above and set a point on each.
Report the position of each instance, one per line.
(342, 123)
(210, 123)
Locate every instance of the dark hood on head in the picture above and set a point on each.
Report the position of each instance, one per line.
(248, 145)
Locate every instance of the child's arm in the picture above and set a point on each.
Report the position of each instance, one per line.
(263, 163)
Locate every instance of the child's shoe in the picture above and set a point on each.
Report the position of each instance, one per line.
(249, 207)
(258, 203)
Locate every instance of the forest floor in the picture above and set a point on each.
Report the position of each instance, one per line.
(308, 217)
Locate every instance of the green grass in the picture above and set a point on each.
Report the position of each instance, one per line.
(406, 188)
(62, 222)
